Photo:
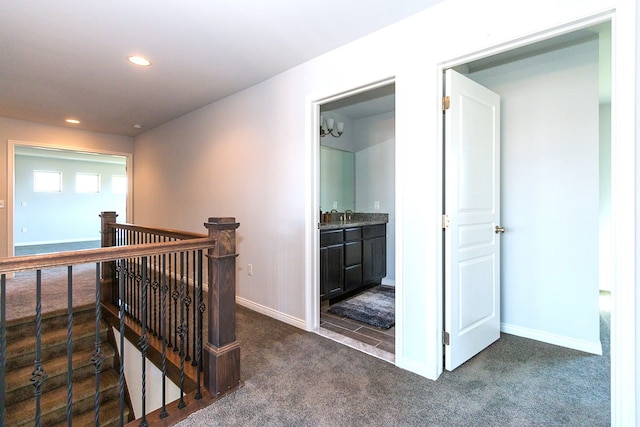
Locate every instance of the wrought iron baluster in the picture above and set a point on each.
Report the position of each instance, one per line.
(201, 308)
(143, 342)
(187, 303)
(154, 293)
(136, 284)
(163, 301)
(182, 330)
(98, 357)
(176, 295)
(194, 282)
(170, 295)
(39, 375)
(121, 379)
(69, 342)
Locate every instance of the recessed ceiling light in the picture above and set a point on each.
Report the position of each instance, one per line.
(139, 60)
(73, 121)
(137, 126)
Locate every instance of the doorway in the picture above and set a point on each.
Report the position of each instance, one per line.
(72, 186)
(556, 187)
(357, 180)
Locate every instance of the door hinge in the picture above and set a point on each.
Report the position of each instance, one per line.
(445, 221)
(446, 103)
(445, 338)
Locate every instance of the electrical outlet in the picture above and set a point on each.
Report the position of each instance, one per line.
(250, 269)
(23, 229)
(335, 205)
(376, 205)
(1, 203)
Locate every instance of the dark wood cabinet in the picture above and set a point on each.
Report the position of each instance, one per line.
(374, 253)
(351, 258)
(331, 264)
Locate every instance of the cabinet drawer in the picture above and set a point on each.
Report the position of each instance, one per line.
(352, 277)
(353, 253)
(353, 233)
(331, 237)
(374, 231)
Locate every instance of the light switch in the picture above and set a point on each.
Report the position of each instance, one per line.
(1, 204)
(23, 203)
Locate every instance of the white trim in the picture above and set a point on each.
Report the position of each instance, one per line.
(411, 365)
(563, 341)
(11, 144)
(623, 215)
(10, 195)
(312, 198)
(267, 311)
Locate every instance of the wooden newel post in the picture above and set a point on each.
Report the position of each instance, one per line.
(221, 349)
(107, 268)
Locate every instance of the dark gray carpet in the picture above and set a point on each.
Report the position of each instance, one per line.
(295, 378)
(375, 307)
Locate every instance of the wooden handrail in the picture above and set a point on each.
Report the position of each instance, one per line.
(63, 259)
(177, 234)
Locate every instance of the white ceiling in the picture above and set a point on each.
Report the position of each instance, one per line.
(365, 104)
(68, 58)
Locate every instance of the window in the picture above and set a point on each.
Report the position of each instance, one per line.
(87, 183)
(119, 184)
(47, 181)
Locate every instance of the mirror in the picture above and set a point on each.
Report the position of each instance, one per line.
(356, 167)
(337, 179)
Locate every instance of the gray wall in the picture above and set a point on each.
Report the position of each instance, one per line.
(66, 216)
(375, 176)
(550, 194)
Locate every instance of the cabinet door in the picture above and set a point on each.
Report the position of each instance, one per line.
(324, 273)
(374, 259)
(335, 270)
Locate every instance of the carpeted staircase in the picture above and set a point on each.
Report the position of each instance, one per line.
(20, 400)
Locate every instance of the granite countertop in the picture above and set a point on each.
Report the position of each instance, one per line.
(358, 219)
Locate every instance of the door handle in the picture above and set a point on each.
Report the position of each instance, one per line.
(500, 229)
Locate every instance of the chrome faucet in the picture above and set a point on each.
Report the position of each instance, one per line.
(348, 213)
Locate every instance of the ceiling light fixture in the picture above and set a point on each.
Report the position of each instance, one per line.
(139, 60)
(73, 121)
(137, 126)
(327, 128)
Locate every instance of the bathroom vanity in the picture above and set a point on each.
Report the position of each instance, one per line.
(353, 253)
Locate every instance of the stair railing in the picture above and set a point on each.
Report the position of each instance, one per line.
(126, 277)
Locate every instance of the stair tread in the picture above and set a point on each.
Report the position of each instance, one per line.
(21, 352)
(24, 411)
(109, 415)
(56, 367)
(52, 316)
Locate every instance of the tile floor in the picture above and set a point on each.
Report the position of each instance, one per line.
(369, 339)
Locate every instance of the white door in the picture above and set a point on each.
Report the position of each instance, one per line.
(472, 213)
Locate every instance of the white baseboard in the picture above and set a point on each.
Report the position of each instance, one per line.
(267, 311)
(388, 282)
(415, 367)
(563, 341)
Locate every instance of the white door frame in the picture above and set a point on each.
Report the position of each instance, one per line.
(623, 341)
(11, 144)
(312, 202)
